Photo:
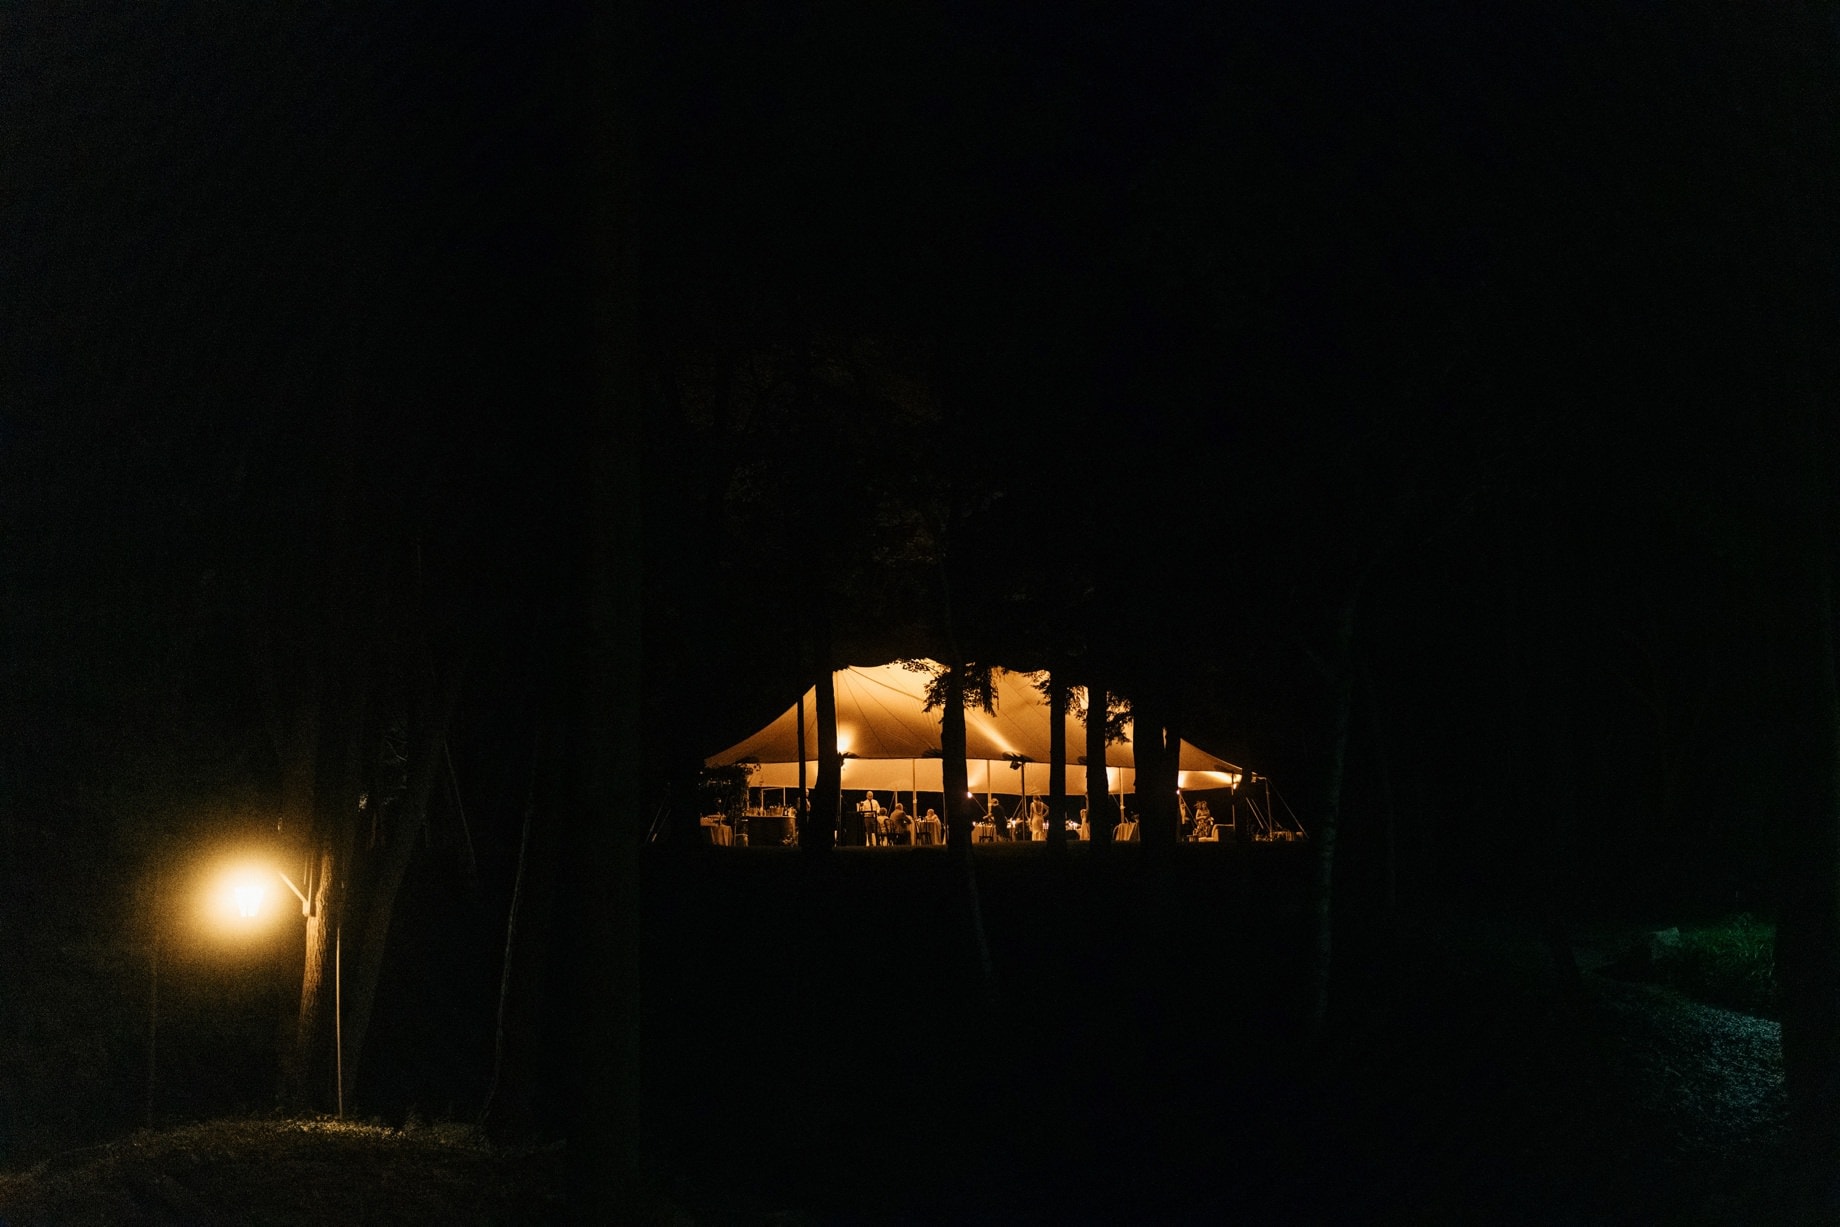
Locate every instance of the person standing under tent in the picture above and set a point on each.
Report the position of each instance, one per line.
(862, 821)
(1038, 820)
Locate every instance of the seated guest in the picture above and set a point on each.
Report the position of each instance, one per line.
(900, 825)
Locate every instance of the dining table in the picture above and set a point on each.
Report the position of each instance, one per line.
(928, 831)
(770, 830)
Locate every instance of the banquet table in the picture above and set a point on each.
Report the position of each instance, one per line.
(720, 833)
(983, 832)
(769, 830)
(928, 831)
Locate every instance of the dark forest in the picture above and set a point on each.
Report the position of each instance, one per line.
(427, 434)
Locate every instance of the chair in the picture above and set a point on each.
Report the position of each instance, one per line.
(1125, 833)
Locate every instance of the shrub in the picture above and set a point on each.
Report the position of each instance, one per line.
(1730, 963)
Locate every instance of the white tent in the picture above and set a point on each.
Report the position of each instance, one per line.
(890, 741)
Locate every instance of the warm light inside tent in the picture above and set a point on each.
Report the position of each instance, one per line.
(891, 741)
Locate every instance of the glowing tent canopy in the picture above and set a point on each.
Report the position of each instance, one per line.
(891, 742)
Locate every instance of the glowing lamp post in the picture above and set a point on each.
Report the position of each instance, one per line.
(232, 905)
(248, 898)
(240, 889)
(235, 897)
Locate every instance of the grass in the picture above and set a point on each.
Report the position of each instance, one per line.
(287, 1173)
(1729, 962)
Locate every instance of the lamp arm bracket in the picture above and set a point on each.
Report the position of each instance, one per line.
(306, 907)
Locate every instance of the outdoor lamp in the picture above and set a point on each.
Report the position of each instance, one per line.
(241, 891)
(248, 898)
(250, 891)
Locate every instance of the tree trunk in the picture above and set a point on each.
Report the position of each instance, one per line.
(960, 814)
(1340, 668)
(405, 832)
(521, 1102)
(1389, 823)
(1147, 759)
(308, 1068)
(1546, 735)
(304, 1067)
(607, 825)
(298, 751)
(827, 794)
(1155, 753)
(1808, 930)
(801, 803)
(955, 775)
(1057, 761)
(1098, 798)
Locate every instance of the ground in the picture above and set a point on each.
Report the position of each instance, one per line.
(825, 1046)
(283, 1173)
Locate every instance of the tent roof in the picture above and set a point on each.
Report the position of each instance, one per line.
(890, 741)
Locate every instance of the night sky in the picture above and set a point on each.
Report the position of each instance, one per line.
(1134, 335)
